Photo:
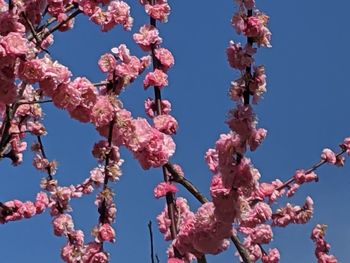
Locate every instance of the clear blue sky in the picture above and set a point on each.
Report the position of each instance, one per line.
(305, 110)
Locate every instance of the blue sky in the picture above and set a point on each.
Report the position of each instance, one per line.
(305, 110)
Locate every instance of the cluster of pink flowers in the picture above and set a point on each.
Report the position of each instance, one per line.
(199, 233)
(116, 12)
(160, 10)
(322, 247)
(121, 67)
(252, 26)
(291, 214)
(17, 210)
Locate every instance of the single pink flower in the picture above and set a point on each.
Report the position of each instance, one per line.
(165, 58)
(159, 11)
(328, 156)
(163, 188)
(14, 44)
(147, 36)
(156, 78)
(102, 112)
(165, 123)
(106, 233)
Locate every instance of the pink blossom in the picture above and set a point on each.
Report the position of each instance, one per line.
(62, 224)
(273, 256)
(155, 147)
(257, 85)
(67, 25)
(151, 108)
(97, 175)
(261, 234)
(147, 36)
(258, 214)
(328, 156)
(269, 190)
(156, 78)
(238, 22)
(165, 58)
(88, 6)
(293, 214)
(322, 247)
(31, 71)
(100, 257)
(238, 57)
(301, 177)
(165, 123)
(40, 163)
(163, 188)
(41, 202)
(106, 233)
(102, 112)
(256, 138)
(292, 189)
(66, 97)
(120, 12)
(237, 89)
(27, 210)
(159, 11)
(212, 159)
(346, 145)
(14, 44)
(253, 26)
(88, 99)
(242, 120)
(107, 63)
(36, 128)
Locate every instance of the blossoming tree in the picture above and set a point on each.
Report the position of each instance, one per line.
(242, 207)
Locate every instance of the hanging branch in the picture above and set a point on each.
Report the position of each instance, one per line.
(158, 100)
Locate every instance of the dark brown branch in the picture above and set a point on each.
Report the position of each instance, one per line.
(53, 19)
(110, 135)
(32, 30)
(202, 259)
(48, 169)
(176, 177)
(158, 100)
(248, 71)
(241, 249)
(151, 239)
(56, 27)
(33, 102)
(102, 83)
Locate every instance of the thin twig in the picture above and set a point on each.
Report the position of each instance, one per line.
(158, 100)
(151, 239)
(102, 83)
(241, 249)
(32, 30)
(48, 168)
(185, 183)
(53, 19)
(56, 27)
(310, 170)
(33, 102)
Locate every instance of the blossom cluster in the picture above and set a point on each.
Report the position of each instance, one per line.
(322, 247)
(16, 210)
